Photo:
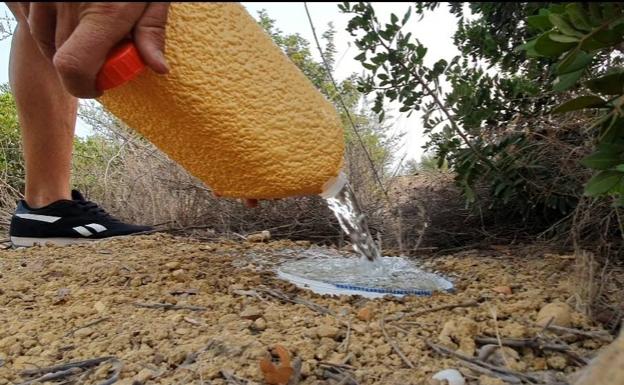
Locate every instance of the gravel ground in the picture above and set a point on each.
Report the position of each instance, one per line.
(170, 310)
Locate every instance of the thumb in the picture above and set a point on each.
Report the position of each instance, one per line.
(149, 36)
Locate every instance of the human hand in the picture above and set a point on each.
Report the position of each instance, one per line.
(77, 37)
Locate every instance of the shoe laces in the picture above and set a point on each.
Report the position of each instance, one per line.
(93, 208)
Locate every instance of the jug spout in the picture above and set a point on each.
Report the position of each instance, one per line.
(333, 186)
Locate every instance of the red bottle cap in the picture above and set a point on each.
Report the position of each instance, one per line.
(122, 65)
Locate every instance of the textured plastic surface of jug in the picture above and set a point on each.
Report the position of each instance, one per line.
(234, 111)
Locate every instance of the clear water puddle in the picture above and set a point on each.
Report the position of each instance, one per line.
(370, 275)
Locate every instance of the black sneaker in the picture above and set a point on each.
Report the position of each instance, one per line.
(66, 222)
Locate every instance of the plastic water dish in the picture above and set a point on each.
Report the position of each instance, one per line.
(350, 276)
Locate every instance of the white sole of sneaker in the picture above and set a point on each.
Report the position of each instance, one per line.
(29, 242)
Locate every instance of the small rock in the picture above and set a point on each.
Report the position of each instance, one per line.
(179, 275)
(28, 362)
(358, 328)
(486, 380)
(83, 333)
(251, 313)
(158, 359)
(228, 318)
(364, 314)
(262, 236)
(557, 362)
(143, 375)
(328, 331)
(136, 282)
(558, 311)
(539, 363)
(100, 307)
(173, 265)
(259, 324)
(451, 376)
(503, 290)
(462, 330)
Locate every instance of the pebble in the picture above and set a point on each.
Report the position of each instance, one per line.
(328, 331)
(259, 324)
(100, 307)
(179, 275)
(251, 313)
(559, 311)
(364, 314)
(84, 332)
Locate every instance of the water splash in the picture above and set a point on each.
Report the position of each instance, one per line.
(353, 223)
(371, 274)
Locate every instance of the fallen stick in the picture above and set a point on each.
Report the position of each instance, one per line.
(297, 300)
(232, 379)
(169, 306)
(601, 335)
(393, 344)
(54, 376)
(97, 321)
(432, 310)
(523, 343)
(338, 366)
(117, 365)
(448, 352)
(491, 373)
(71, 368)
(347, 338)
(342, 378)
(77, 364)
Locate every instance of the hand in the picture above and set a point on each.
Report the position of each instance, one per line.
(77, 37)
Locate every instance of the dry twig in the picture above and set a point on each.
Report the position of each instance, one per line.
(393, 344)
(433, 309)
(169, 306)
(93, 323)
(497, 369)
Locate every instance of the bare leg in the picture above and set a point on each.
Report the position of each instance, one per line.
(47, 116)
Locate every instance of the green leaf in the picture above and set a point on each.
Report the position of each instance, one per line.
(563, 38)
(567, 81)
(539, 22)
(360, 57)
(563, 26)
(369, 66)
(577, 17)
(602, 182)
(619, 167)
(601, 160)
(574, 61)
(407, 16)
(611, 84)
(529, 47)
(421, 51)
(587, 101)
(394, 18)
(547, 47)
(595, 14)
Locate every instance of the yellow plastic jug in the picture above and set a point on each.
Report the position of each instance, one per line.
(234, 111)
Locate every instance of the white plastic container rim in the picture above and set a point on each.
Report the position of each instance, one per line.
(324, 287)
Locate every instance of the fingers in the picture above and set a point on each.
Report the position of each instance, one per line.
(149, 36)
(81, 56)
(42, 24)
